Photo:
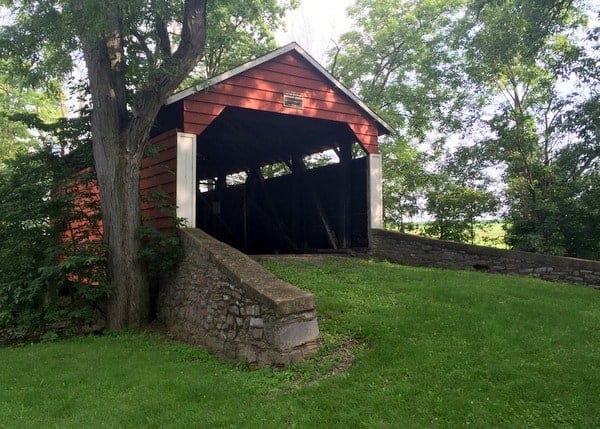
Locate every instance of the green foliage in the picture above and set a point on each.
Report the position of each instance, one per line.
(401, 62)
(47, 281)
(403, 181)
(561, 219)
(18, 99)
(137, 53)
(514, 82)
(274, 170)
(398, 60)
(161, 250)
(241, 30)
(527, 53)
(456, 210)
(38, 38)
(552, 179)
(504, 39)
(458, 197)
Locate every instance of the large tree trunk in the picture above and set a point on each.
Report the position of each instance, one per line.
(121, 121)
(118, 145)
(118, 178)
(117, 157)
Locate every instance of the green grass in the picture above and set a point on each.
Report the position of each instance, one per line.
(490, 233)
(437, 349)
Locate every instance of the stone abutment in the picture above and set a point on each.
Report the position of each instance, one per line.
(225, 302)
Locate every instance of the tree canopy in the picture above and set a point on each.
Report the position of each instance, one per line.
(486, 96)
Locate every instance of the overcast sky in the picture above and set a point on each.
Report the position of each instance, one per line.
(315, 24)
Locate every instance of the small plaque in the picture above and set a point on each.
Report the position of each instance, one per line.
(293, 99)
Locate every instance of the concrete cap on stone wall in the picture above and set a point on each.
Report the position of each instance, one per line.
(251, 276)
(297, 333)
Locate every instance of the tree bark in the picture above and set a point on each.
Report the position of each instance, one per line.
(119, 183)
(121, 123)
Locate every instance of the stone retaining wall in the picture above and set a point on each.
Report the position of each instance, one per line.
(226, 302)
(410, 249)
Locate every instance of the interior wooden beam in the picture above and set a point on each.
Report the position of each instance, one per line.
(272, 213)
(344, 203)
(298, 164)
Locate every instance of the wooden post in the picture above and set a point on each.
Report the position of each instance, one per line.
(186, 179)
(255, 177)
(297, 195)
(298, 165)
(345, 194)
(375, 193)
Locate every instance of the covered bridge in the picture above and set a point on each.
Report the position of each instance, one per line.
(218, 144)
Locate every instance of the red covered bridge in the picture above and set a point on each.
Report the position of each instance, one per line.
(215, 141)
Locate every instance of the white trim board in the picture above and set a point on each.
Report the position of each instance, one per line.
(186, 179)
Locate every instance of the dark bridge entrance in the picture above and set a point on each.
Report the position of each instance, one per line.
(276, 156)
(241, 203)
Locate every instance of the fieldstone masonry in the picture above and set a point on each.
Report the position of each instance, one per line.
(226, 302)
(410, 249)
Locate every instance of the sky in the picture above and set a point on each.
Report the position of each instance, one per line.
(315, 25)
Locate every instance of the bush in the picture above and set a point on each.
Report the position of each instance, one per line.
(50, 284)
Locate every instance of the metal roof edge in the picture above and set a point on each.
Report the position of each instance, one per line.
(293, 46)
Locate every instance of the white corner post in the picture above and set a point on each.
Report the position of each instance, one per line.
(186, 179)
(375, 191)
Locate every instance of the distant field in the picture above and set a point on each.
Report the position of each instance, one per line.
(401, 347)
(490, 233)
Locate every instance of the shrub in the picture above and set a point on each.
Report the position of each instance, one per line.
(49, 285)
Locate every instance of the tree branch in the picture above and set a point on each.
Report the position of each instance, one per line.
(142, 41)
(164, 41)
(172, 71)
(193, 32)
(104, 57)
(333, 65)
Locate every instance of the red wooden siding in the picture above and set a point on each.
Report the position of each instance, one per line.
(86, 204)
(159, 172)
(86, 227)
(262, 87)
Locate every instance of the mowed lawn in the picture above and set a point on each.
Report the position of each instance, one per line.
(429, 348)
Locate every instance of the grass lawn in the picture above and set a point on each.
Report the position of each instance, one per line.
(432, 348)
